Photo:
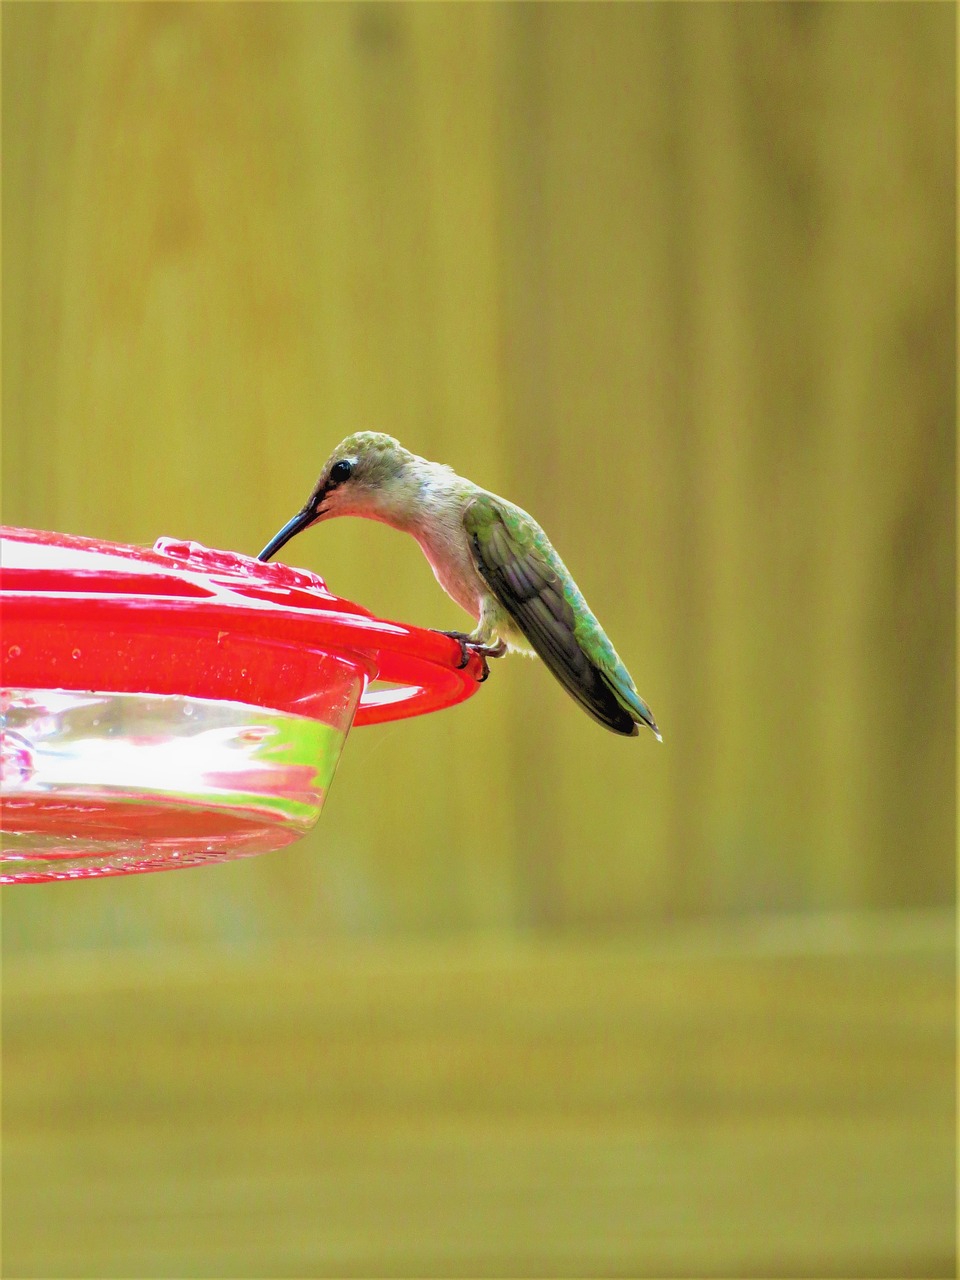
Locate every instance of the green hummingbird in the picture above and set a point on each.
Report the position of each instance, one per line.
(489, 556)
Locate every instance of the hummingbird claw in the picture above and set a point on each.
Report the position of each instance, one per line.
(483, 651)
(464, 642)
(491, 650)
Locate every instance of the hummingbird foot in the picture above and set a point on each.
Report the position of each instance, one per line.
(463, 641)
(468, 645)
(488, 651)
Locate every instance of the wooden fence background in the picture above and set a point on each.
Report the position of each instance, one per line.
(679, 279)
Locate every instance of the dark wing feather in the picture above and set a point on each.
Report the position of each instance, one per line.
(531, 590)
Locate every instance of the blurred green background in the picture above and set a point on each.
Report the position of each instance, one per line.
(680, 280)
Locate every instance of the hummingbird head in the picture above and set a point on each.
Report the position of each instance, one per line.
(368, 474)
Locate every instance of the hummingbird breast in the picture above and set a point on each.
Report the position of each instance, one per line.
(443, 541)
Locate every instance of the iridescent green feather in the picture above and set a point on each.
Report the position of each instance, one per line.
(532, 584)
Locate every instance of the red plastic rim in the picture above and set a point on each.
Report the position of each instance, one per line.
(79, 613)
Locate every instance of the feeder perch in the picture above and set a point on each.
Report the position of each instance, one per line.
(181, 705)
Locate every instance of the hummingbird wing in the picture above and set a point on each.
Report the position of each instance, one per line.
(531, 582)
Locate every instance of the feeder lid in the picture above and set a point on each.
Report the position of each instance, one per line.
(79, 613)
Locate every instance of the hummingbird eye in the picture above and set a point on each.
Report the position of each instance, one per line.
(341, 471)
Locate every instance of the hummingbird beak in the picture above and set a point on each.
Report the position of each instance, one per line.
(299, 522)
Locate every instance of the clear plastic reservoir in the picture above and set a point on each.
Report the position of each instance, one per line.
(95, 783)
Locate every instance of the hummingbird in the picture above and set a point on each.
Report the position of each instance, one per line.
(491, 557)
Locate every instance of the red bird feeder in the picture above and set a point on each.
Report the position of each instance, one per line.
(177, 706)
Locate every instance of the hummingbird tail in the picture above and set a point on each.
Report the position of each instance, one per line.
(646, 715)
